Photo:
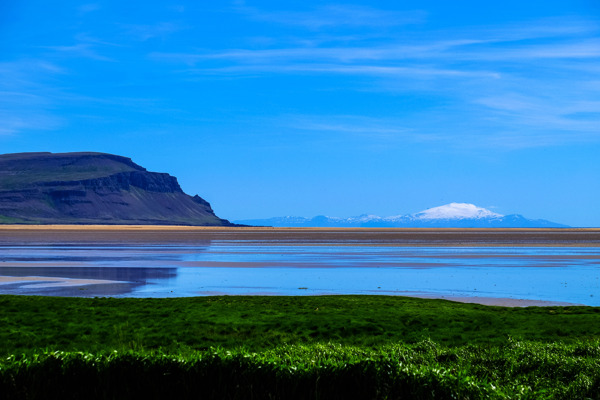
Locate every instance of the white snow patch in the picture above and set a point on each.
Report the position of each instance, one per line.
(456, 211)
(364, 218)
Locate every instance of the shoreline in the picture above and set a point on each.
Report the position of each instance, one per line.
(401, 237)
(267, 228)
(55, 282)
(502, 301)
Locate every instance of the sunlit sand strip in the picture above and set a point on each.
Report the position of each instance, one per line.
(486, 301)
(280, 229)
(244, 236)
(49, 282)
(497, 301)
(504, 302)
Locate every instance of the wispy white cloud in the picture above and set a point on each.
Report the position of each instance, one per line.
(351, 124)
(520, 86)
(147, 32)
(25, 100)
(421, 61)
(341, 54)
(88, 8)
(178, 8)
(505, 122)
(328, 16)
(442, 51)
(25, 75)
(412, 72)
(553, 114)
(375, 133)
(80, 50)
(547, 28)
(87, 46)
(469, 49)
(14, 123)
(572, 49)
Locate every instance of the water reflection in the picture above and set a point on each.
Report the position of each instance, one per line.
(81, 280)
(87, 271)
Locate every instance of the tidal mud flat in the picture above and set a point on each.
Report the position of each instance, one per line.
(134, 234)
(512, 267)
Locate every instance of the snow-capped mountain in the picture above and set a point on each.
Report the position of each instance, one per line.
(453, 215)
(456, 211)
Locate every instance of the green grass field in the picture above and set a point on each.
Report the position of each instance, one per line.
(295, 347)
(261, 322)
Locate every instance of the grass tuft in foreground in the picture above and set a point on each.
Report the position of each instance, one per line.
(425, 370)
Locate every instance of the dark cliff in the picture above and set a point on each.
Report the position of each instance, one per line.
(94, 188)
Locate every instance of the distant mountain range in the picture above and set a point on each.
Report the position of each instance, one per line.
(94, 188)
(453, 215)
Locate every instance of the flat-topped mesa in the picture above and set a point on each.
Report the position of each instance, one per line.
(150, 181)
(94, 188)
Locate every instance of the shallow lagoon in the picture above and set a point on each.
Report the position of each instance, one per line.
(553, 274)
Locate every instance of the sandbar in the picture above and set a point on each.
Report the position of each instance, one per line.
(501, 301)
(48, 281)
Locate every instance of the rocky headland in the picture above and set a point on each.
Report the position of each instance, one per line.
(94, 188)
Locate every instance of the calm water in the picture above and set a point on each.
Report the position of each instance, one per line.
(561, 274)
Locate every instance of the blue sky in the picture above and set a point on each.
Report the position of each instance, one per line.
(271, 108)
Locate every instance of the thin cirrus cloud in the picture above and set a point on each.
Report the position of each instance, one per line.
(443, 59)
(550, 112)
(21, 111)
(546, 28)
(146, 32)
(330, 16)
(523, 125)
(488, 46)
(513, 81)
(423, 72)
(581, 49)
(351, 124)
(26, 99)
(338, 53)
(366, 132)
(14, 123)
(88, 8)
(424, 61)
(443, 51)
(523, 120)
(80, 50)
